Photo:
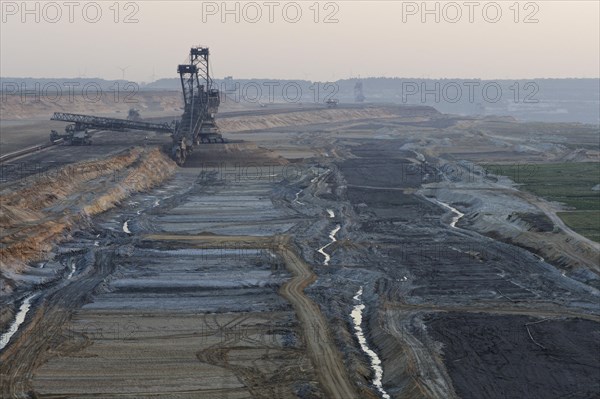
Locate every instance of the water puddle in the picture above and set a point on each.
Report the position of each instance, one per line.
(317, 177)
(19, 319)
(375, 361)
(333, 239)
(296, 198)
(458, 213)
(73, 269)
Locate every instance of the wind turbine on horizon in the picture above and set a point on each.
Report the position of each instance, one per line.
(123, 71)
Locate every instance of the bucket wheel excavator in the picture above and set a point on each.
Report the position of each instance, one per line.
(196, 126)
(201, 103)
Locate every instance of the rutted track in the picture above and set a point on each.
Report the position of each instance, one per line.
(26, 151)
(325, 355)
(44, 333)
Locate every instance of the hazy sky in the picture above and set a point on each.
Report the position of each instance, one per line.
(370, 38)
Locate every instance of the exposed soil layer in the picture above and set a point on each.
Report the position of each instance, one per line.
(38, 211)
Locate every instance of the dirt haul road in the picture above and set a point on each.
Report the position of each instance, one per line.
(323, 352)
(325, 356)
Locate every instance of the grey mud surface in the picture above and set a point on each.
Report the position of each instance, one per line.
(451, 313)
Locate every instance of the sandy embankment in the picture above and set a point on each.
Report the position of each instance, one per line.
(302, 118)
(15, 107)
(41, 210)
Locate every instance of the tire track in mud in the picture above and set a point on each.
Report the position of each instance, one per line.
(325, 356)
(259, 384)
(44, 332)
(321, 348)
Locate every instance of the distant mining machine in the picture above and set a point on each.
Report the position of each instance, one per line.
(78, 132)
(359, 96)
(71, 136)
(197, 124)
(201, 103)
(332, 102)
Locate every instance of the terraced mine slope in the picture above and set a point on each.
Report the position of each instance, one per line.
(347, 253)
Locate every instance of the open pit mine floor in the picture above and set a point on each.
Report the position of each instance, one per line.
(348, 253)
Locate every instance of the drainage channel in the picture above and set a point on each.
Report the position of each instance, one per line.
(375, 361)
(458, 213)
(19, 319)
(331, 237)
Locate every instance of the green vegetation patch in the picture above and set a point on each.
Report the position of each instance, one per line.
(568, 183)
(586, 223)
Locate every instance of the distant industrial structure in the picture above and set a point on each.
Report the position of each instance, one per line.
(359, 97)
(197, 124)
(332, 102)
